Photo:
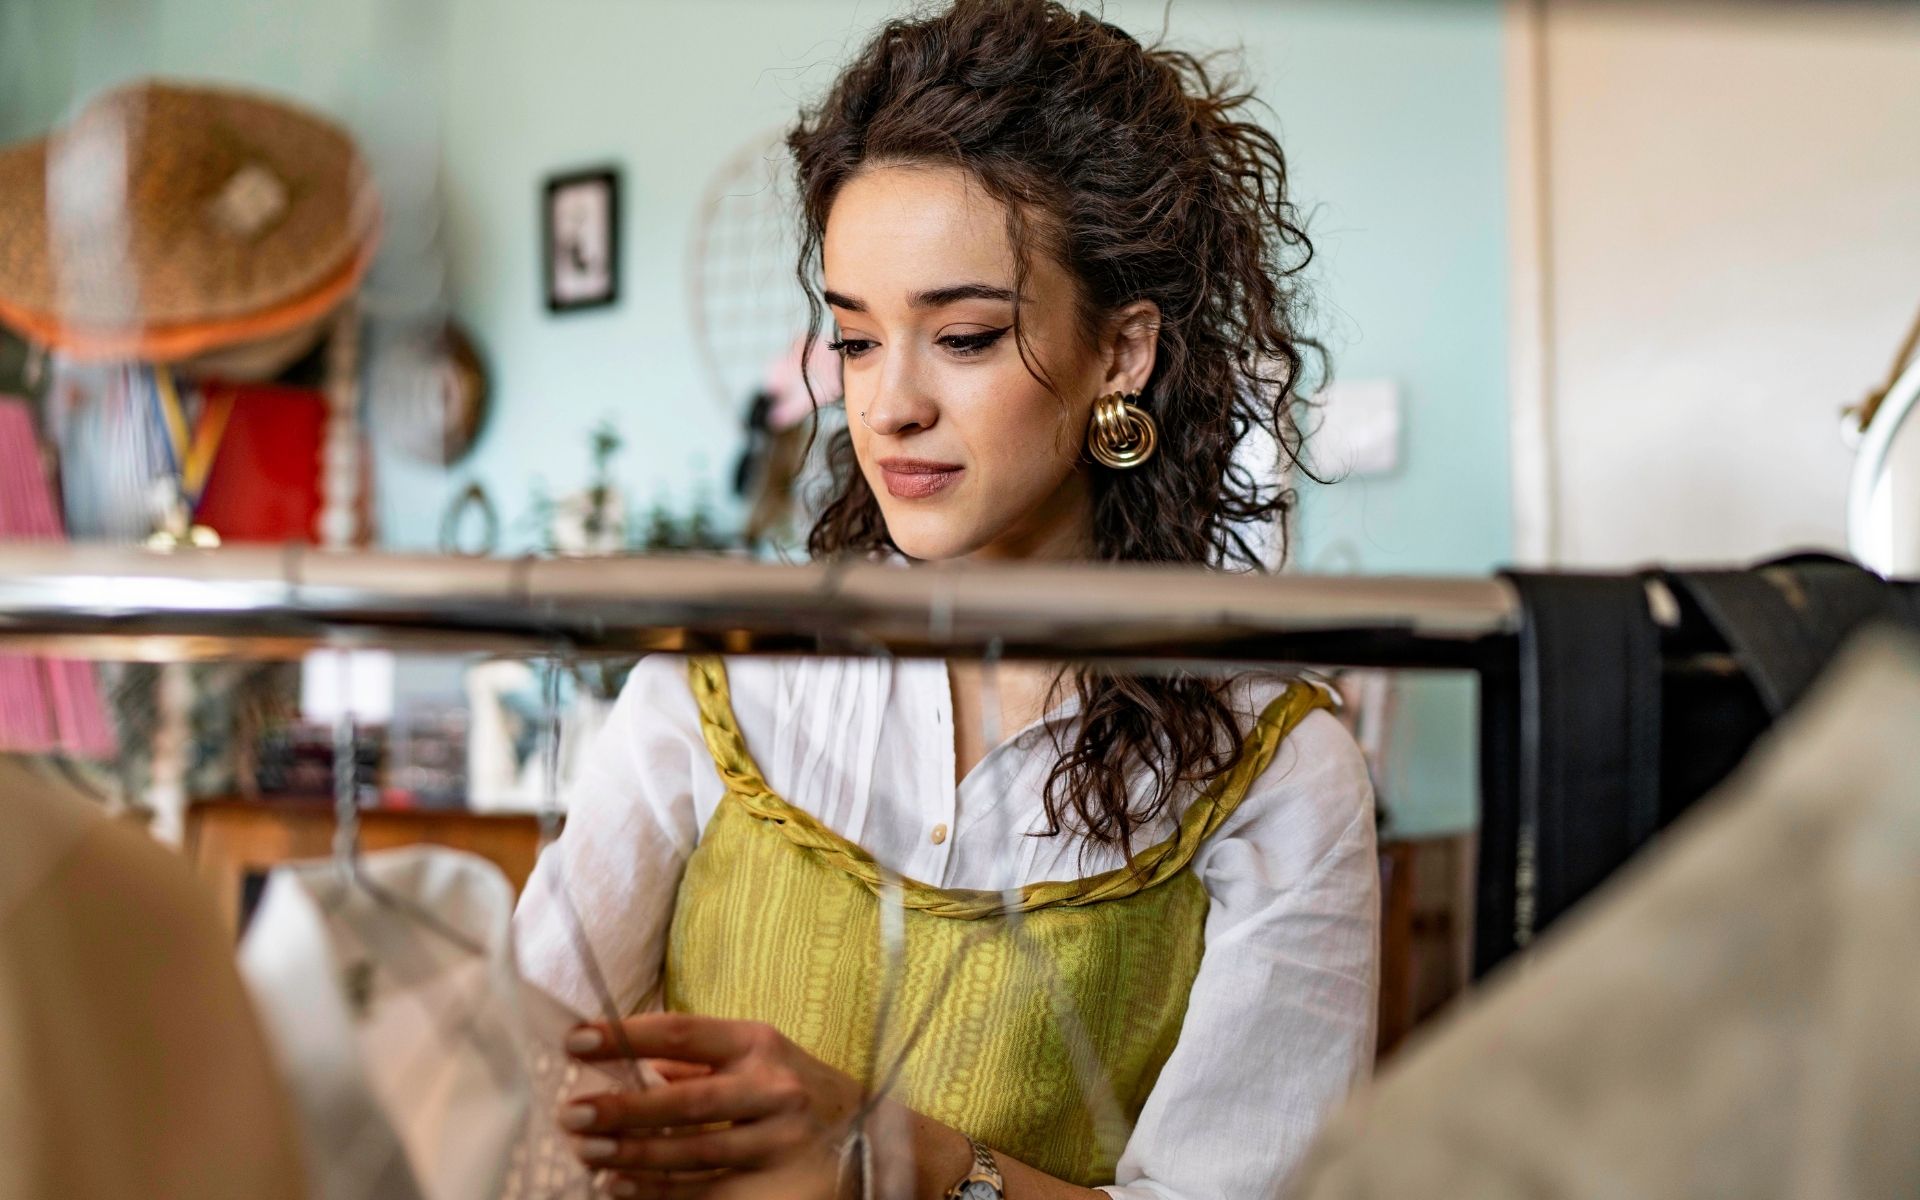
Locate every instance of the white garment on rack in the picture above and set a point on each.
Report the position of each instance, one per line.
(1280, 1021)
(423, 1069)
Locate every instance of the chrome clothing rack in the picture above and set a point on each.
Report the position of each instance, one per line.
(114, 603)
(1546, 649)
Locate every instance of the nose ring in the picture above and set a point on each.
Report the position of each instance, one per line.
(863, 420)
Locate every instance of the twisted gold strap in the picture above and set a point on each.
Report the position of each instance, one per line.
(1203, 817)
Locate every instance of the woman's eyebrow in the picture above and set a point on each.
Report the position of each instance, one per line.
(939, 297)
(931, 298)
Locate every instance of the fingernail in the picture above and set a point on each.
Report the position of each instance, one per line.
(599, 1148)
(625, 1188)
(577, 1116)
(585, 1040)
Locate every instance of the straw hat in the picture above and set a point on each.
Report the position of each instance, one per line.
(168, 220)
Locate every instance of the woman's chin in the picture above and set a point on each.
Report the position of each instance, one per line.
(932, 550)
(931, 540)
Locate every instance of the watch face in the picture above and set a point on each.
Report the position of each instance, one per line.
(978, 1190)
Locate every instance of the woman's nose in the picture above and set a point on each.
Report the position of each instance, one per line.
(891, 420)
(899, 408)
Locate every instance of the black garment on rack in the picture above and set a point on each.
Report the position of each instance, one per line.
(1608, 725)
(1589, 737)
(1785, 620)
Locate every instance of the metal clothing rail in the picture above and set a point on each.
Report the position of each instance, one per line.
(125, 604)
(255, 603)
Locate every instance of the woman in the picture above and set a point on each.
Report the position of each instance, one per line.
(1139, 932)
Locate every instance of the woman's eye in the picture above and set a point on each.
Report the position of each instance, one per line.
(967, 344)
(850, 347)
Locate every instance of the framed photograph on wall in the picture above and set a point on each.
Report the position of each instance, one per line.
(581, 240)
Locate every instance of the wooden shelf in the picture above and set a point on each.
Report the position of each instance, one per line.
(234, 841)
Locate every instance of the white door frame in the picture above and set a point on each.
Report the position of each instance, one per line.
(1530, 323)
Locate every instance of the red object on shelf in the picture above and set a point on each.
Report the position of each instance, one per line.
(265, 483)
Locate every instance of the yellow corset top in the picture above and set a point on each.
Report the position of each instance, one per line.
(1037, 1021)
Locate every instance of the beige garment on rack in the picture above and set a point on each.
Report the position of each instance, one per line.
(1738, 1016)
(130, 1061)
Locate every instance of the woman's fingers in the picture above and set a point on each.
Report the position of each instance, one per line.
(736, 1147)
(663, 1185)
(679, 1036)
(701, 1100)
(670, 1070)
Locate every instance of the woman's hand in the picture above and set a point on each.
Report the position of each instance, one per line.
(739, 1097)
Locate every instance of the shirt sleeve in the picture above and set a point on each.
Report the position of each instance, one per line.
(631, 824)
(1280, 1023)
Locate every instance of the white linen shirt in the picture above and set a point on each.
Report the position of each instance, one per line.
(1280, 1021)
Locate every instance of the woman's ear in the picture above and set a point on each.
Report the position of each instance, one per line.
(1133, 341)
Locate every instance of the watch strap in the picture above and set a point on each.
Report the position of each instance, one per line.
(984, 1170)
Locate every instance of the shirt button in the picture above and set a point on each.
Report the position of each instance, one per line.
(939, 834)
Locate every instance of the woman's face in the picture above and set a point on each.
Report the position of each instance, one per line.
(967, 451)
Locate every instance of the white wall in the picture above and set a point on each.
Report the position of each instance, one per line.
(1732, 206)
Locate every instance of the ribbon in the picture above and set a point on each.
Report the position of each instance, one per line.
(192, 450)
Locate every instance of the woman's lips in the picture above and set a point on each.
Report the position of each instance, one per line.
(917, 478)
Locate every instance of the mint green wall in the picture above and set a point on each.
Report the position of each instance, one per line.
(669, 91)
(38, 44)
(1392, 116)
(1391, 112)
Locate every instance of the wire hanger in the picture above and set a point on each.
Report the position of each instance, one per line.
(641, 1075)
(346, 830)
(452, 1023)
(1096, 1090)
(886, 1062)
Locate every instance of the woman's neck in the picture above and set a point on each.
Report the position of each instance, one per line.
(989, 708)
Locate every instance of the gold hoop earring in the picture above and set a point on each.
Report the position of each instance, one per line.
(1122, 435)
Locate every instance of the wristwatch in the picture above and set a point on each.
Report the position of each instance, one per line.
(983, 1181)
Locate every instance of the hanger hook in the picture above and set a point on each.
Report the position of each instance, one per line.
(346, 773)
(550, 728)
(940, 608)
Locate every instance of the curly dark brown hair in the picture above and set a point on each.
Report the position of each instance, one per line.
(1139, 170)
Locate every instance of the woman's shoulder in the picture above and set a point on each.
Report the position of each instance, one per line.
(762, 693)
(1319, 737)
(1316, 789)
(1250, 693)
(658, 684)
(666, 690)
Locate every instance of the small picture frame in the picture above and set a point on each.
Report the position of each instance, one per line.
(581, 240)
